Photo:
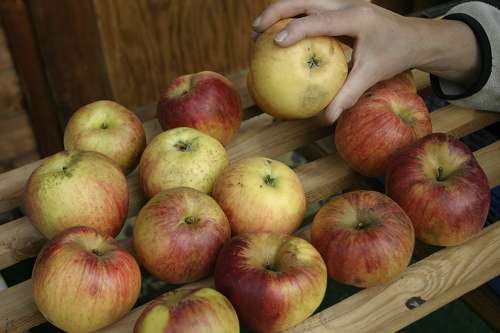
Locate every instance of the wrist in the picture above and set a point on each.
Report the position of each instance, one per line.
(448, 49)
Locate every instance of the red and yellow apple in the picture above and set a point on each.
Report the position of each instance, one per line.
(442, 188)
(206, 101)
(180, 157)
(402, 82)
(383, 121)
(274, 281)
(189, 311)
(260, 194)
(77, 188)
(178, 234)
(107, 128)
(365, 238)
(83, 280)
(298, 81)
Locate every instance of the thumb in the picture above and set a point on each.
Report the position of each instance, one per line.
(358, 81)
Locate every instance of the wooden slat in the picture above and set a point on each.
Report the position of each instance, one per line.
(257, 135)
(438, 279)
(18, 313)
(323, 170)
(260, 135)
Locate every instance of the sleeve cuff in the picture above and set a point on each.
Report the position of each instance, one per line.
(451, 91)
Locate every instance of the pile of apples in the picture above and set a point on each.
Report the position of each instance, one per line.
(206, 216)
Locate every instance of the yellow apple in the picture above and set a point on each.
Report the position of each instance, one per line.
(298, 81)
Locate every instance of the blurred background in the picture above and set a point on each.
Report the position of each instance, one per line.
(58, 55)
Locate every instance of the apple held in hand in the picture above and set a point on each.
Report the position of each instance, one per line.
(274, 281)
(83, 281)
(382, 121)
(298, 81)
(260, 194)
(77, 188)
(107, 128)
(206, 101)
(189, 311)
(365, 238)
(178, 234)
(180, 157)
(442, 188)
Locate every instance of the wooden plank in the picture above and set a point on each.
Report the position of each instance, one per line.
(438, 279)
(72, 54)
(27, 60)
(259, 136)
(12, 310)
(256, 137)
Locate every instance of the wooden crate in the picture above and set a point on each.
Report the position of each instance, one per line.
(437, 279)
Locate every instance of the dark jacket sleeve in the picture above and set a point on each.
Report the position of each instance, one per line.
(483, 92)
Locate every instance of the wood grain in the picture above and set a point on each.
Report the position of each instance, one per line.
(324, 170)
(38, 101)
(70, 47)
(258, 136)
(438, 279)
(22, 313)
(148, 43)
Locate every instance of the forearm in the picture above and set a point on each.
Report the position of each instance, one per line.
(448, 49)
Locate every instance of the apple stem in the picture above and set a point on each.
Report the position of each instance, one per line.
(104, 126)
(97, 252)
(440, 174)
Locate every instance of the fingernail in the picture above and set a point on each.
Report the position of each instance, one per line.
(281, 36)
(336, 111)
(256, 22)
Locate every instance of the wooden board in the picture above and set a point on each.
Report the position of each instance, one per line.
(259, 136)
(22, 314)
(148, 43)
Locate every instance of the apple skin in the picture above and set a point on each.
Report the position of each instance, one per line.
(83, 280)
(274, 281)
(107, 128)
(446, 211)
(261, 194)
(206, 101)
(178, 234)
(73, 188)
(383, 121)
(365, 238)
(298, 81)
(401, 82)
(203, 310)
(180, 157)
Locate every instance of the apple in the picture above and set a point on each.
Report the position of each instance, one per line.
(403, 81)
(206, 101)
(261, 194)
(383, 121)
(365, 238)
(298, 81)
(108, 128)
(181, 156)
(442, 188)
(178, 234)
(77, 188)
(83, 280)
(274, 281)
(202, 310)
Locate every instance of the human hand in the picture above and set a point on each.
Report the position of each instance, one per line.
(384, 43)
